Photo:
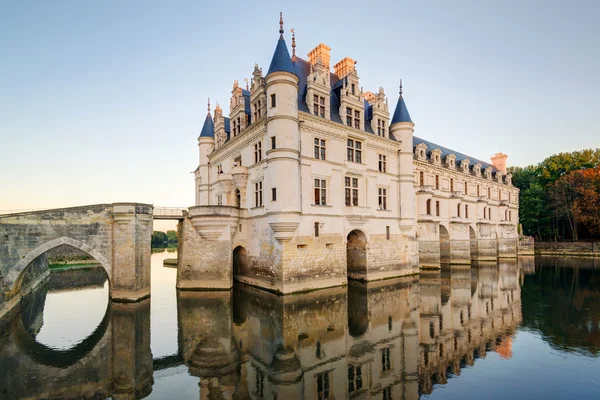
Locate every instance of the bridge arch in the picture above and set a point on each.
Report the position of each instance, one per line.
(15, 277)
(356, 254)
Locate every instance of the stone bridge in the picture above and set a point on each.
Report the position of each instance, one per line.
(117, 235)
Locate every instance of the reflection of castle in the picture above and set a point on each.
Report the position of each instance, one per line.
(383, 340)
(392, 339)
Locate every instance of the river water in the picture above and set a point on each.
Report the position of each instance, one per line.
(527, 329)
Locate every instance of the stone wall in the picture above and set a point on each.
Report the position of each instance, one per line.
(568, 248)
(65, 254)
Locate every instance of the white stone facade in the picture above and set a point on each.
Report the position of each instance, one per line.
(310, 182)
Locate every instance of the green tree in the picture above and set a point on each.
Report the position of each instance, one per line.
(159, 239)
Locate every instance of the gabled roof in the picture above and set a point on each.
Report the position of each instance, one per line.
(401, 114)
(208, 129)
(281, 61)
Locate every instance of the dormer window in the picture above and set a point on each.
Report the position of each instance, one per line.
(257, 111)
(352, 117)
(436, 156)
(319, 106)
(381, 127)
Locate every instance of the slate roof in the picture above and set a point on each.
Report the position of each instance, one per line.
(281, 60)
(445, 152)
(401, 114)
(208, 129)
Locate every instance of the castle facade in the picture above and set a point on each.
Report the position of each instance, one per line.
(311, 181)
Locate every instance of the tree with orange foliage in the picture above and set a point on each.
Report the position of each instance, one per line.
(586, 208)
(575, 197)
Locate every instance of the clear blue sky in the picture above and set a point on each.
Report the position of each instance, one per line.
(103, 101)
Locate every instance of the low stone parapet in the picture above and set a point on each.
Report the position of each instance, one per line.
(590, 249)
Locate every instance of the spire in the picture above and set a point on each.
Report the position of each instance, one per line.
(293, 45)
(281, 61)
(280, 25)
(401, 114)
(208, 129)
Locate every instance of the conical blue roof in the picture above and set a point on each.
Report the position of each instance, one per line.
(281, 61)
(208, 129)
(401, 114)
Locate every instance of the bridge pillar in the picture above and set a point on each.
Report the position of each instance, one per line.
(132, 232)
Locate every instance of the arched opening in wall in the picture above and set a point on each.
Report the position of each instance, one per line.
(444, 245)
(356, 255)
(68, 310)
(473, 241)
(238, 198)
(240, 262)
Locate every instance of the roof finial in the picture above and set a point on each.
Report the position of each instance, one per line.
(280, 25)
(293, 45)
(246, 80)
(400, 87)
(209, 106)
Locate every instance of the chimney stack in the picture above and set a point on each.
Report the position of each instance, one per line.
(344, 67)
(499, 161)
(323, 52)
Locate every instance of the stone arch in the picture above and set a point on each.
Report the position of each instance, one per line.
(241, 265)
(444, 244)
(356, 254)
(473, 241)
(15, 276)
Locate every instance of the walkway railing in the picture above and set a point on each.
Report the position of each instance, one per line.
(169, 212)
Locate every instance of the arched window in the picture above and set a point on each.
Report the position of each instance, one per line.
(458, 210)
(428, 206)
(466, 211)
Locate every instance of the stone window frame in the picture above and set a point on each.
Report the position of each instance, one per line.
(322, 147)
(327, 187)
(257, 151)
(464, 164)
(358, 189)
(319, 108)
(382, 163)
(383, 194)
(357, 151)
(436, 156)
(421, 151)
(258, 189)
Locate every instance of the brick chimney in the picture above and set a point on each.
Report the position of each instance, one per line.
(499, 161)
(323, 52)
(344, 67)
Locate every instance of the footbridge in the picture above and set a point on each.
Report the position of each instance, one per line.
(117, 235)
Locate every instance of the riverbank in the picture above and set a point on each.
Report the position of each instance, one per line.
(575, 249)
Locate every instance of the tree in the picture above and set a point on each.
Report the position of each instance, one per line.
(172, 237)
(159, 239)
(586, 208)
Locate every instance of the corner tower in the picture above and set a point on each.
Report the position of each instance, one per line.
(402, 128)
(282, 174)
(206, 144)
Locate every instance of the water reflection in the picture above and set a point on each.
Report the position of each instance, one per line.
(393, 339)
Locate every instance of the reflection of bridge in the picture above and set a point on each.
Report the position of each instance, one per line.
(388, 339)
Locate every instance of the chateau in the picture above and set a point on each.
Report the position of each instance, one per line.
(311, 181)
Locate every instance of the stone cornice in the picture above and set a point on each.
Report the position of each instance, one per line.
(335, 130)
(236, 144)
